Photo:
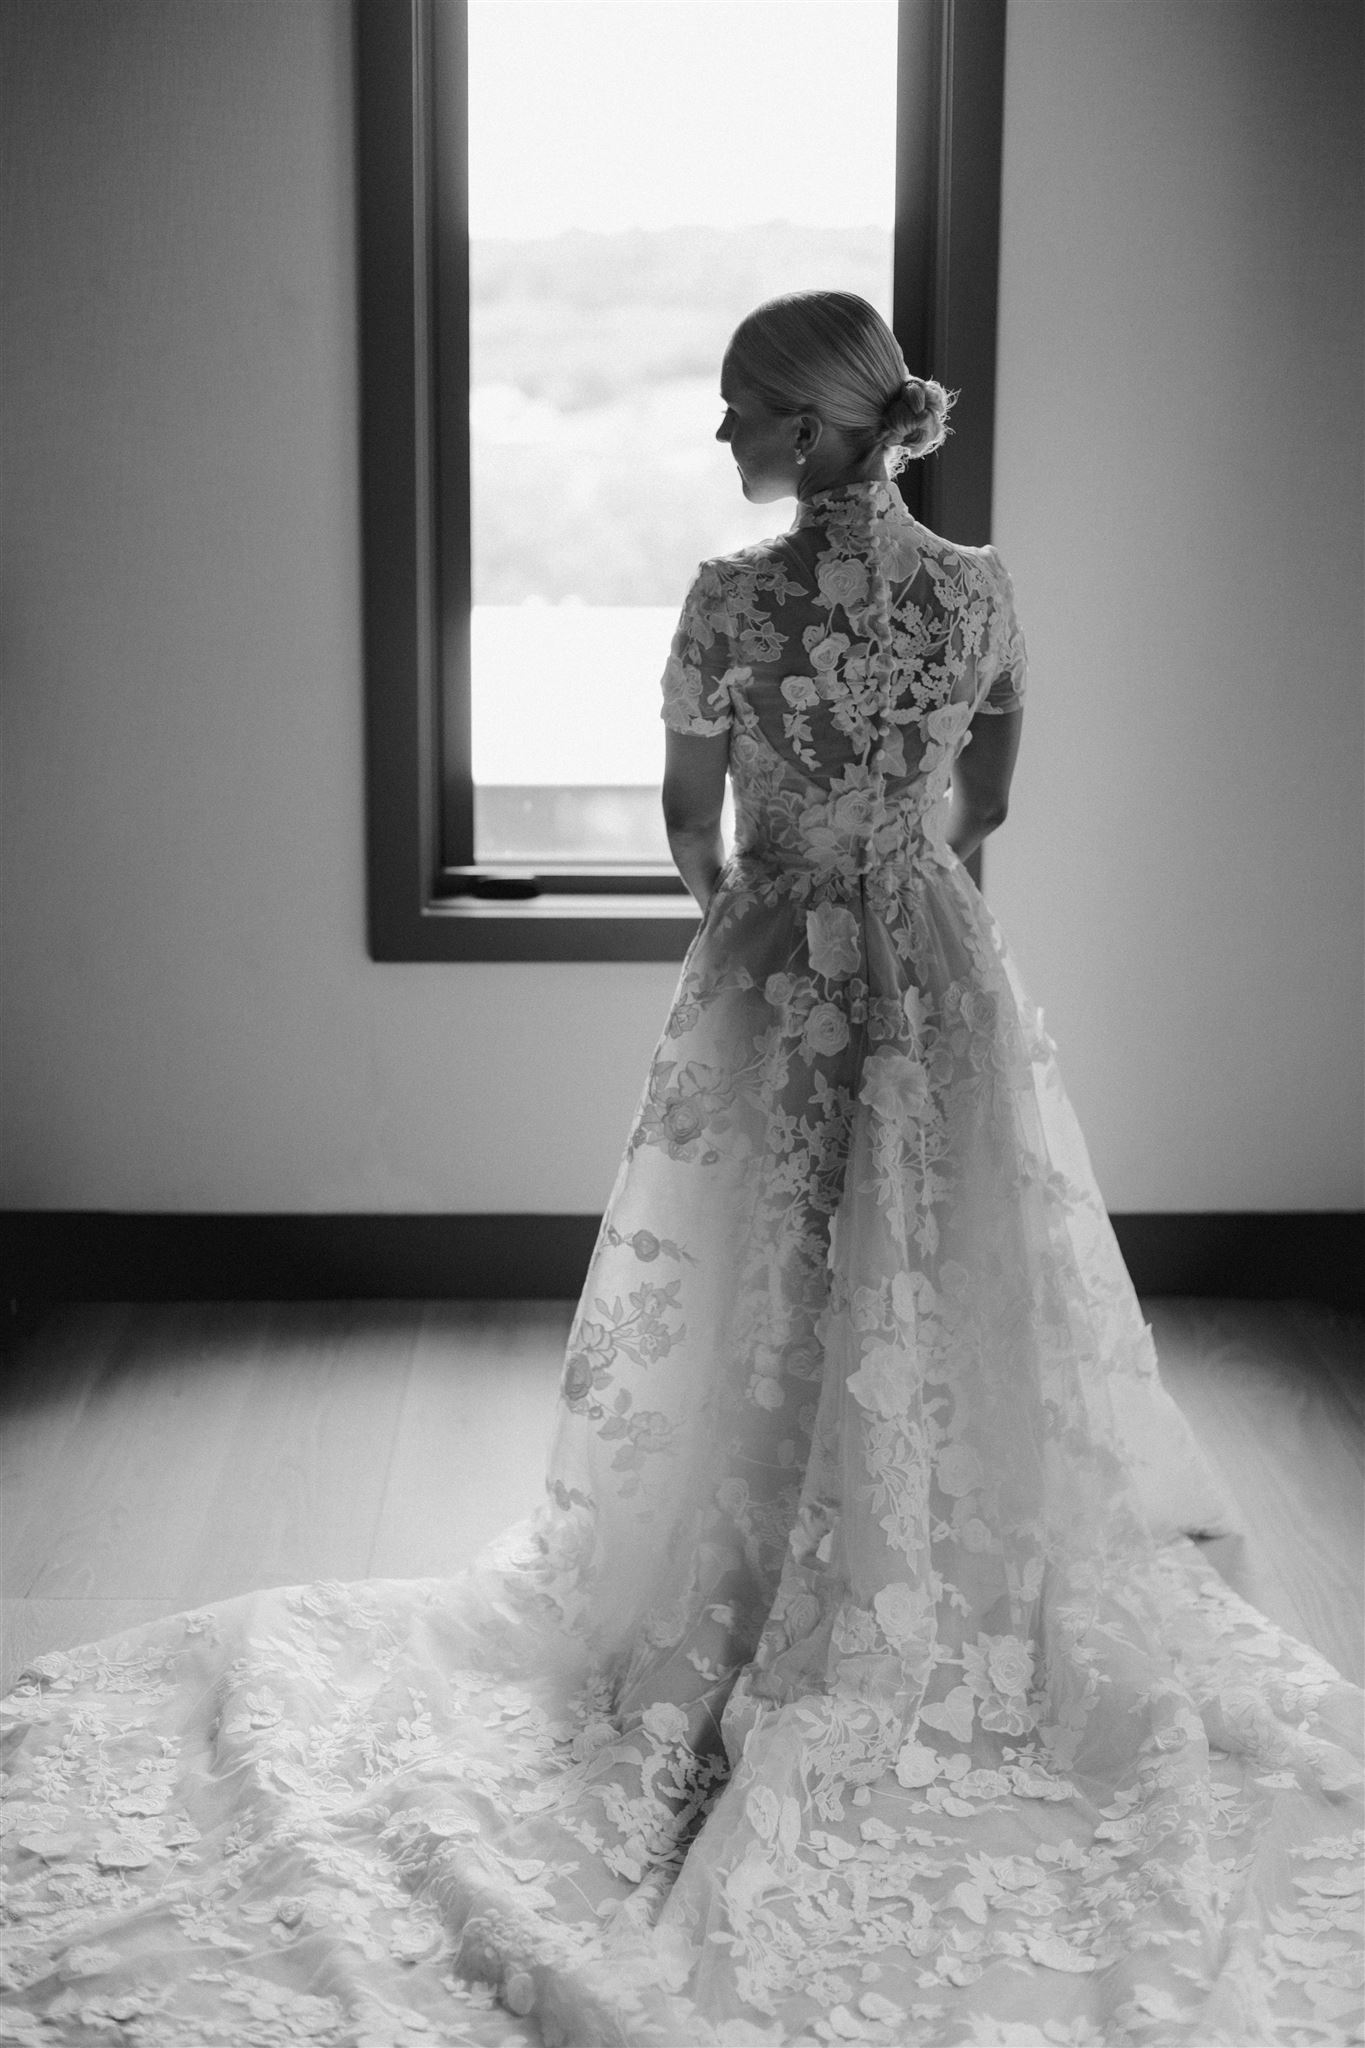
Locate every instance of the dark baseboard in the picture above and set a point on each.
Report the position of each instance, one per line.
(1285, 1255)
(92, 1255)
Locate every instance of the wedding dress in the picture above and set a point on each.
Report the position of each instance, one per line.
(855, 1682)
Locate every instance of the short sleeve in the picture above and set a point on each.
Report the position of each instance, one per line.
(696, 682)
(1003, 668)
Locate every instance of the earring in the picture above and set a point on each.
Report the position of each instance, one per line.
(800, 458)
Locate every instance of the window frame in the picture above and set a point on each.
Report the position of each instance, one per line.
(426, 899)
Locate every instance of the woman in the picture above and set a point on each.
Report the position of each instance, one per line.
(847, 1687)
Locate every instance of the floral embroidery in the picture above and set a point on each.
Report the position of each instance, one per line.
(834, 941)
(851, 1683)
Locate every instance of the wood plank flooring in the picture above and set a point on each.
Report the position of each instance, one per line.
(1275, 1393)
(155, 1457)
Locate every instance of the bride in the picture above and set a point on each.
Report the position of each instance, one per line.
(855, 1681)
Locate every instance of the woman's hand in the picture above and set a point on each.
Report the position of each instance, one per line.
(693, 793)
(982, 774)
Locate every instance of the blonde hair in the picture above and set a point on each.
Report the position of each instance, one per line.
(832, 354)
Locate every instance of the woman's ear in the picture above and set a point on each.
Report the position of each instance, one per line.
(806, 437)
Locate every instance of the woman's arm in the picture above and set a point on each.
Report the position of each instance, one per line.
(694, 790)
(981, 779)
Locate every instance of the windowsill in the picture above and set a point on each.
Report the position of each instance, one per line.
(549, 927)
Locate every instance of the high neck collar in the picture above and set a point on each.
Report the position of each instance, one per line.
(875, 499)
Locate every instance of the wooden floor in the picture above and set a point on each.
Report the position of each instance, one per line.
(158, 1457)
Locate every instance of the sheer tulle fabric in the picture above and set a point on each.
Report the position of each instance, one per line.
(855, 1682)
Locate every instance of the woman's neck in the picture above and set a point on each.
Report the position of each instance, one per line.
(871, 470)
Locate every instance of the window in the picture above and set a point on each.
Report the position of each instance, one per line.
(600, 300)
(497, 836)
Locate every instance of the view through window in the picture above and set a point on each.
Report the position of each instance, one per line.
(641, 173)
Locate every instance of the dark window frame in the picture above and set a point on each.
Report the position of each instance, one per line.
(426, 900)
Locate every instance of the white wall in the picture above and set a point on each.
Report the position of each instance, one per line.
(1178, 491)
(190, 1020)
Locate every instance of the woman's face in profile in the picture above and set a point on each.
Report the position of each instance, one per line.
(760, 441)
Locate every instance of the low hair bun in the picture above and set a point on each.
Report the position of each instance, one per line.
(915, 417)
(832, 353)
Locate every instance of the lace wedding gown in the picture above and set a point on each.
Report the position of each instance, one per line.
(854, 1683)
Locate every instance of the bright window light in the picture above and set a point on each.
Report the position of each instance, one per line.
(642, 172)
